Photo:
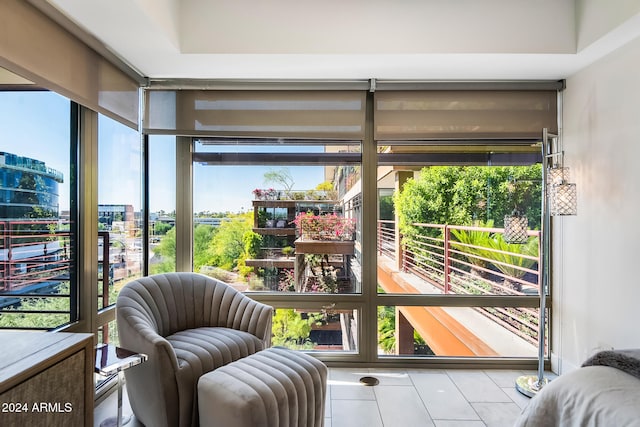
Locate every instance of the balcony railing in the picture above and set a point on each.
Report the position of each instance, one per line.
(449, 263)
(35, 262)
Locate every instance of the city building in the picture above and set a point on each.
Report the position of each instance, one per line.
(29, 188)
(32, 259)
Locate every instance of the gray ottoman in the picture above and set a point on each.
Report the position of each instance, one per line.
(275, 387)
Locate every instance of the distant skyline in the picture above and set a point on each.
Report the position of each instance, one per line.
(216, 188)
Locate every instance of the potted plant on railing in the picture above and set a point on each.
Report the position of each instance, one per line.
(265, 194)
(324, 226)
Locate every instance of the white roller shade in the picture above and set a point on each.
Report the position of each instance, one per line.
(257, 113)
(463, 114)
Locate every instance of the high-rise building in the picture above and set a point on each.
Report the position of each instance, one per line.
(28, 188)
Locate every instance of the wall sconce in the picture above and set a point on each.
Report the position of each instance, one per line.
(557, 175)
(563, 199)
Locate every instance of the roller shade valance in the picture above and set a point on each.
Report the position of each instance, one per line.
(38, 49)
(256, 113)
(463, 114)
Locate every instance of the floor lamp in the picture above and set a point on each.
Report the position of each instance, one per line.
(558, 198)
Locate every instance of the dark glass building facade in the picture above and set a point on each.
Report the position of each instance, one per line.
(28, 188)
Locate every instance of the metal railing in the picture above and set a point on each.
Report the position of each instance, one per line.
(466, 260)
(35, 262)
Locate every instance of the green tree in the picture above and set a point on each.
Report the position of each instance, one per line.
(166, 251)
(509, 260)
(460, 195)
(24, 319)
(282, 177)
(386, 208)
(252, 244)
(161, 228)
(471, 242)
(291, 330)
(227, 245)
(202, 237)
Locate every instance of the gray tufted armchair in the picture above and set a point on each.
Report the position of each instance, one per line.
(188, 324)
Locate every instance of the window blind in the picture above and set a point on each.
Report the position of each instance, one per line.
(40, 50)
(257, 113)
(463, 114)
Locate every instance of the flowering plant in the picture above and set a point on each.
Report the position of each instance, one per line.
(324, 227)
(257, 193)
(265, 194)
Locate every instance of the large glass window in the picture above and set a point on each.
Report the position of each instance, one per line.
(395, 224)
(37, 254)
(276, 216)
(441, 216)
(120, 231)
(441, 227)
(162, 204)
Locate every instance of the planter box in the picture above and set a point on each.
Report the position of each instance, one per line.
(342, 247)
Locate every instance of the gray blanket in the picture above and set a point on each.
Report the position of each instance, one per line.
(605, 392)
(626, 360)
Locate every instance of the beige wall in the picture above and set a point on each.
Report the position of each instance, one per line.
(596, 18)
(597, 252)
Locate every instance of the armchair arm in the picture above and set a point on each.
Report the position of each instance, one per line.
(160, 391)
(137, 334)
(245, 314)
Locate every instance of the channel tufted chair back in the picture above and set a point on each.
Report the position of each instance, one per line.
(187, 324)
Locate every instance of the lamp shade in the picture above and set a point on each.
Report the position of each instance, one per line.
(558, 175)
(563, 199)
(516, 227)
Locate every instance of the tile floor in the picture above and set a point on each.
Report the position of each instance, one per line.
(406, 397)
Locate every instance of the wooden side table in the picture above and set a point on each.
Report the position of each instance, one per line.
(112, 360)
(46, 379)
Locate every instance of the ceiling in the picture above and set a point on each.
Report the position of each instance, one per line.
(356, 39)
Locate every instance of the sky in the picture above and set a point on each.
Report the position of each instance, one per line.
(216, 188)
(47, 141)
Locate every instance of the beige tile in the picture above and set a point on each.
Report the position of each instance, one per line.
(401, 406)
(503, 378)
(391, 376)
(347, 374)
(476, 386)
(355, 413)
(327, 403)
(497, 414)
(406, 397)
(345, 384)
(442, 398)
(518, 398)
(350, 391)
(458, 423)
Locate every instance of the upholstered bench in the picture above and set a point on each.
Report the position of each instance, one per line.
(275, 387)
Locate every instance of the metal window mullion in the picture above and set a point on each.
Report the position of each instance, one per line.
(87, 220)
(184, 204)
(369, 227)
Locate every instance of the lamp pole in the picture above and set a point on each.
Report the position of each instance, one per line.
(530, 385)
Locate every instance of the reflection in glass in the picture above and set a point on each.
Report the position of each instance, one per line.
(120, 256)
